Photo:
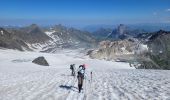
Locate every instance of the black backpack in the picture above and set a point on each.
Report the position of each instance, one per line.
(80, 74)
(71, 66)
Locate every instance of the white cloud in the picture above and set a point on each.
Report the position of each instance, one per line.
(168, 10)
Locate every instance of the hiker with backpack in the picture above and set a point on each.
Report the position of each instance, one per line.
(72, 67)
(81, 76)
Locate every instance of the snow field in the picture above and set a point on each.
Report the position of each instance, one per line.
(22, 80)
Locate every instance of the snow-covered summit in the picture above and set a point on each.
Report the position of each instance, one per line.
(2, 32)
(50, 32)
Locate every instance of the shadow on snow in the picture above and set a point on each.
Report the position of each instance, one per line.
(69, 87)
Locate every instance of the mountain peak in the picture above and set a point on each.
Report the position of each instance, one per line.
(158, 33)
(121, 29)
(33, 25)
(33, 28)
(60, 27)
(162, 31)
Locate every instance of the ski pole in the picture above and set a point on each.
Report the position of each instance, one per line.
(85, 86)
(91, 76)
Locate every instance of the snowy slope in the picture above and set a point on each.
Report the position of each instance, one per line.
(22, 80)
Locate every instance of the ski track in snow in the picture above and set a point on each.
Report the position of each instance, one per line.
(22, 80)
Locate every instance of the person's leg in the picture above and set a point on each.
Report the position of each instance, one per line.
(80, 88)
(72, 72)
(82, 81)
(79, 84)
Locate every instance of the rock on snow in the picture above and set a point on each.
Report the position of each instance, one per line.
(41, 61)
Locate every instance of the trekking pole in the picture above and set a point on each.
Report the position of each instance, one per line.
(91, 76)
(85, 86)
(91, 81)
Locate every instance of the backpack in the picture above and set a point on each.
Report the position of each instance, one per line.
(81, 72)
(71, 66)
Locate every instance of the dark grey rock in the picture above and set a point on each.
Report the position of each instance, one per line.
(10, 41)
(110, 50)
(40, 61)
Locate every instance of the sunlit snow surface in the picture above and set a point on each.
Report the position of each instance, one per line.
(2, 32)
(22, 80)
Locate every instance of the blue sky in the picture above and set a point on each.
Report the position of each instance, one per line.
(84, 11)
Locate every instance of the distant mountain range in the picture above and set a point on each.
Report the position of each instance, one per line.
(48, 39)
(148, 27)
(38, 38)
(120, 32)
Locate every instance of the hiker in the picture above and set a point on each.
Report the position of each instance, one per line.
(81, 76)
(72, 67)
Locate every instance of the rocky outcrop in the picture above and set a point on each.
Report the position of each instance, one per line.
(23, 38)
(158, 54)
(31, 34)
(40, 61)
(10, 41)
(112, 50)
(159, 48)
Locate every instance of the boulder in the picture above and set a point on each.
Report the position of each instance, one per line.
(40, 61)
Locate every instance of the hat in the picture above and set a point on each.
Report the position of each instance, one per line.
(85, 65)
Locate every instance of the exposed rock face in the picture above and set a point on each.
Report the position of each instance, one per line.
(158, 54)
(159, 47)
(40, 61)
(32, 34)
(10, 41)
(111, 50)
(23, 38)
